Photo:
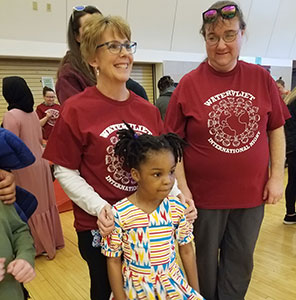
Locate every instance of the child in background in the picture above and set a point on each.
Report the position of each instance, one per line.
(148, 222)
(17, 254)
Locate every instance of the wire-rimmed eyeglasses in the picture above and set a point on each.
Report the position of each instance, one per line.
(227, 37)
(115, 47)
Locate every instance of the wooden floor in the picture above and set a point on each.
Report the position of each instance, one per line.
(274, 275)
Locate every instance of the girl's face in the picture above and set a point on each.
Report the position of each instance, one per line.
(156, 175)
(113, 68)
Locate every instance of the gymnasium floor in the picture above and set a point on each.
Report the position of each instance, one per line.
(274, 275)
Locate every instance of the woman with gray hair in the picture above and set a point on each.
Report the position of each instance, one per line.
(232, 117)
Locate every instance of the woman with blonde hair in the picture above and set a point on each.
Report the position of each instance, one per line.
(83, 139)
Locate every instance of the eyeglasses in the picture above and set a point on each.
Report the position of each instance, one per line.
(115, 47)
(227, 37)
(50, 97)
(226, 12)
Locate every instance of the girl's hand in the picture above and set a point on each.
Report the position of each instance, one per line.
(2, 268)
(7, 187)
(105, 220)
(21, 270)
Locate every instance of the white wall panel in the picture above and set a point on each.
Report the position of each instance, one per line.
(167, 26)
(187, 25)
(152, 23)
(293, 50)
(260, 27)
(245, 6)
(107, 7)
(18, 21)
(284, 31)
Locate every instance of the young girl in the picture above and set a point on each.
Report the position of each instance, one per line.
(148, 222)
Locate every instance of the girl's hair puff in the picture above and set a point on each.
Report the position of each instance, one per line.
(134, 148)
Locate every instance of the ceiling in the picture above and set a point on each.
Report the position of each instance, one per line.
(167, 25)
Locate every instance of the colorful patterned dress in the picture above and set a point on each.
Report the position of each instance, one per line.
(147, 242)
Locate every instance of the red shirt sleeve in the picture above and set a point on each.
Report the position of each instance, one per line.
(65, 135)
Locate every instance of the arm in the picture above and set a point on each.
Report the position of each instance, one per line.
(83, 195)
(189, 263)
(22, 267)
(44, 120)
(7, 187)
(182, 182)
(115, 277)
(185, 196)
(275, 185)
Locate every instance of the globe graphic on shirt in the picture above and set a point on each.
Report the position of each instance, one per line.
(115, 165)
(233, 122)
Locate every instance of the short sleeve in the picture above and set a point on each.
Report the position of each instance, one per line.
(183, 229)
(112, 244)
(66, 134)
(175, 120)
(39, 112)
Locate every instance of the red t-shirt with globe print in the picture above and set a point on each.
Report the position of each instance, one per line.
(84, 138)
(225, 118)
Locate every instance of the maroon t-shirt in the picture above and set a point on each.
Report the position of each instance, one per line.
(70, 82)
(84, 138)
(225, 117)
(41, 111)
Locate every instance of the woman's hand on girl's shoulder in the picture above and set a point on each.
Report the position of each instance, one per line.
(105, 220)
(190, 211)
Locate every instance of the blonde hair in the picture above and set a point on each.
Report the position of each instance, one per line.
(290, 97)
(93, 30)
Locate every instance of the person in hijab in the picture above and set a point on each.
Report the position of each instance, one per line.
(20, 119)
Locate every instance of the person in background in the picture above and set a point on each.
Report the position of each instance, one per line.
(136, 88)
(20, 119)
(91, 174)
(290, 131)
(74, 74)
(281, 86)
(166, 87)
(48, 112)
(152, 222)
(232, 117)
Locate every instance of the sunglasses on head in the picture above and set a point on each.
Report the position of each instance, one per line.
(226, 12)
(78, 8)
